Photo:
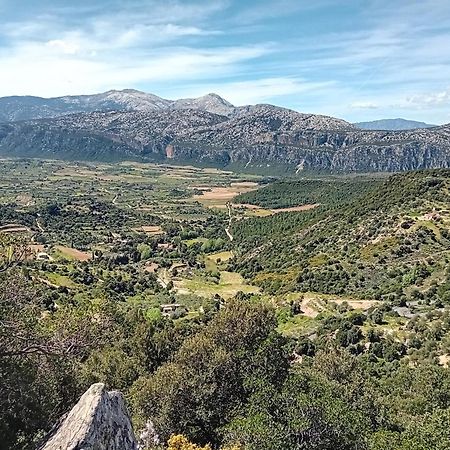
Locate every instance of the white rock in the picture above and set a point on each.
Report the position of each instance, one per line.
(99, 421)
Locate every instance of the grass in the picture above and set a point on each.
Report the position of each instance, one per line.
(297, 326)
(59, 280)
(229, 285)
(199, 240)
(70, 254)
(370, 250)
(222, 256)
(430, 225)
(318, 260)
(260, 212)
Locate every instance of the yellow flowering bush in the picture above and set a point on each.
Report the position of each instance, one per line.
(179, 442)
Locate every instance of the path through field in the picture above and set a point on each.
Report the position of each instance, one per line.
(227, 229)
(41, 229)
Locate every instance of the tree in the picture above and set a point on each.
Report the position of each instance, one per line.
(308, 413)
(213, 373)
(36, 384)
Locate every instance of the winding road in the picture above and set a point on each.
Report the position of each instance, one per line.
(227, 229)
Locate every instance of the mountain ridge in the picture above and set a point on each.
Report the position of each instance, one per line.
(261, 138)
(397, 124)
(16, 108)
(209, 130)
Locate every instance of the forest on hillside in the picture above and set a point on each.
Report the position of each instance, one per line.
(341, 340)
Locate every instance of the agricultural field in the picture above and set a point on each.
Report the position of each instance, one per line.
(132, 267)
(87, 225)
(153, 234)
(214, 234)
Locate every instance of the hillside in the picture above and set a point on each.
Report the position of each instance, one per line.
(291, 193)
(392, 241)
(124, 274)
(392, 124)
(261, 138)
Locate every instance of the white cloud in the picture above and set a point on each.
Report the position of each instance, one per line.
(364, 105)
(66, 47)
(54, 55)
(387, 63)
(52, 70)
(441, 98)
(259, 90)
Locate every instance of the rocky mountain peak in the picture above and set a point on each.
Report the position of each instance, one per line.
(212, 103)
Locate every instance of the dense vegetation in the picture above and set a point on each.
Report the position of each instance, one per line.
(345, 346)
(229, 380)
(285, 194)
(392, 241)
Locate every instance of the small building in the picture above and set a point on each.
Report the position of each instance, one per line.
(169, 308)
(42, 256)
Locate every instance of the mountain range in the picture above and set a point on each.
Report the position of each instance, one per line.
(27, 107)
(392, 124)
(130, 124)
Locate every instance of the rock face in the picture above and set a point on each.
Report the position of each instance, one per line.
(99, 421)
(210, 131)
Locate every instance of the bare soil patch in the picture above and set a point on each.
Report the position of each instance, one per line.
(150, 229)
(358, 304)
(217, 193)
(13, 228)
(444, 360)
(275, 211)
(222, 193)
(73, 253)
(152, 267)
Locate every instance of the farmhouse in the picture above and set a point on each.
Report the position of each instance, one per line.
(169, 308)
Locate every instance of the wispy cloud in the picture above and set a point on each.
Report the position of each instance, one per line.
(57, 69)
(269, 10)
(432, 99)
(259, 90)
(358, 60)
(52, 57)
(364, 105)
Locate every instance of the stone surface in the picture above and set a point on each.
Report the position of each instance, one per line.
(99, 421)
(27, 107)
(259, 137)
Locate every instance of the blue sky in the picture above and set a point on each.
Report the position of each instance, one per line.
(355, 59)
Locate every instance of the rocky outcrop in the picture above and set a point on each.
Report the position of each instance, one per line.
(99, 421)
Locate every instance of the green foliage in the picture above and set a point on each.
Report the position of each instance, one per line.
(355, 246)
(213, 373)
(218, 371)
(285, 194)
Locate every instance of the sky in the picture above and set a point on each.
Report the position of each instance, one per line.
(354, 59)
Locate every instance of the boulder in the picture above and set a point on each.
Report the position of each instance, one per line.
(99, 421)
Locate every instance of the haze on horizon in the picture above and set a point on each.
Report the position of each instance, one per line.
(355, 60)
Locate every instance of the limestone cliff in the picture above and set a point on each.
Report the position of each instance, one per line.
(261, 137)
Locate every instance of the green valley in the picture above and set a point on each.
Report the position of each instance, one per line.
(223, 308)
